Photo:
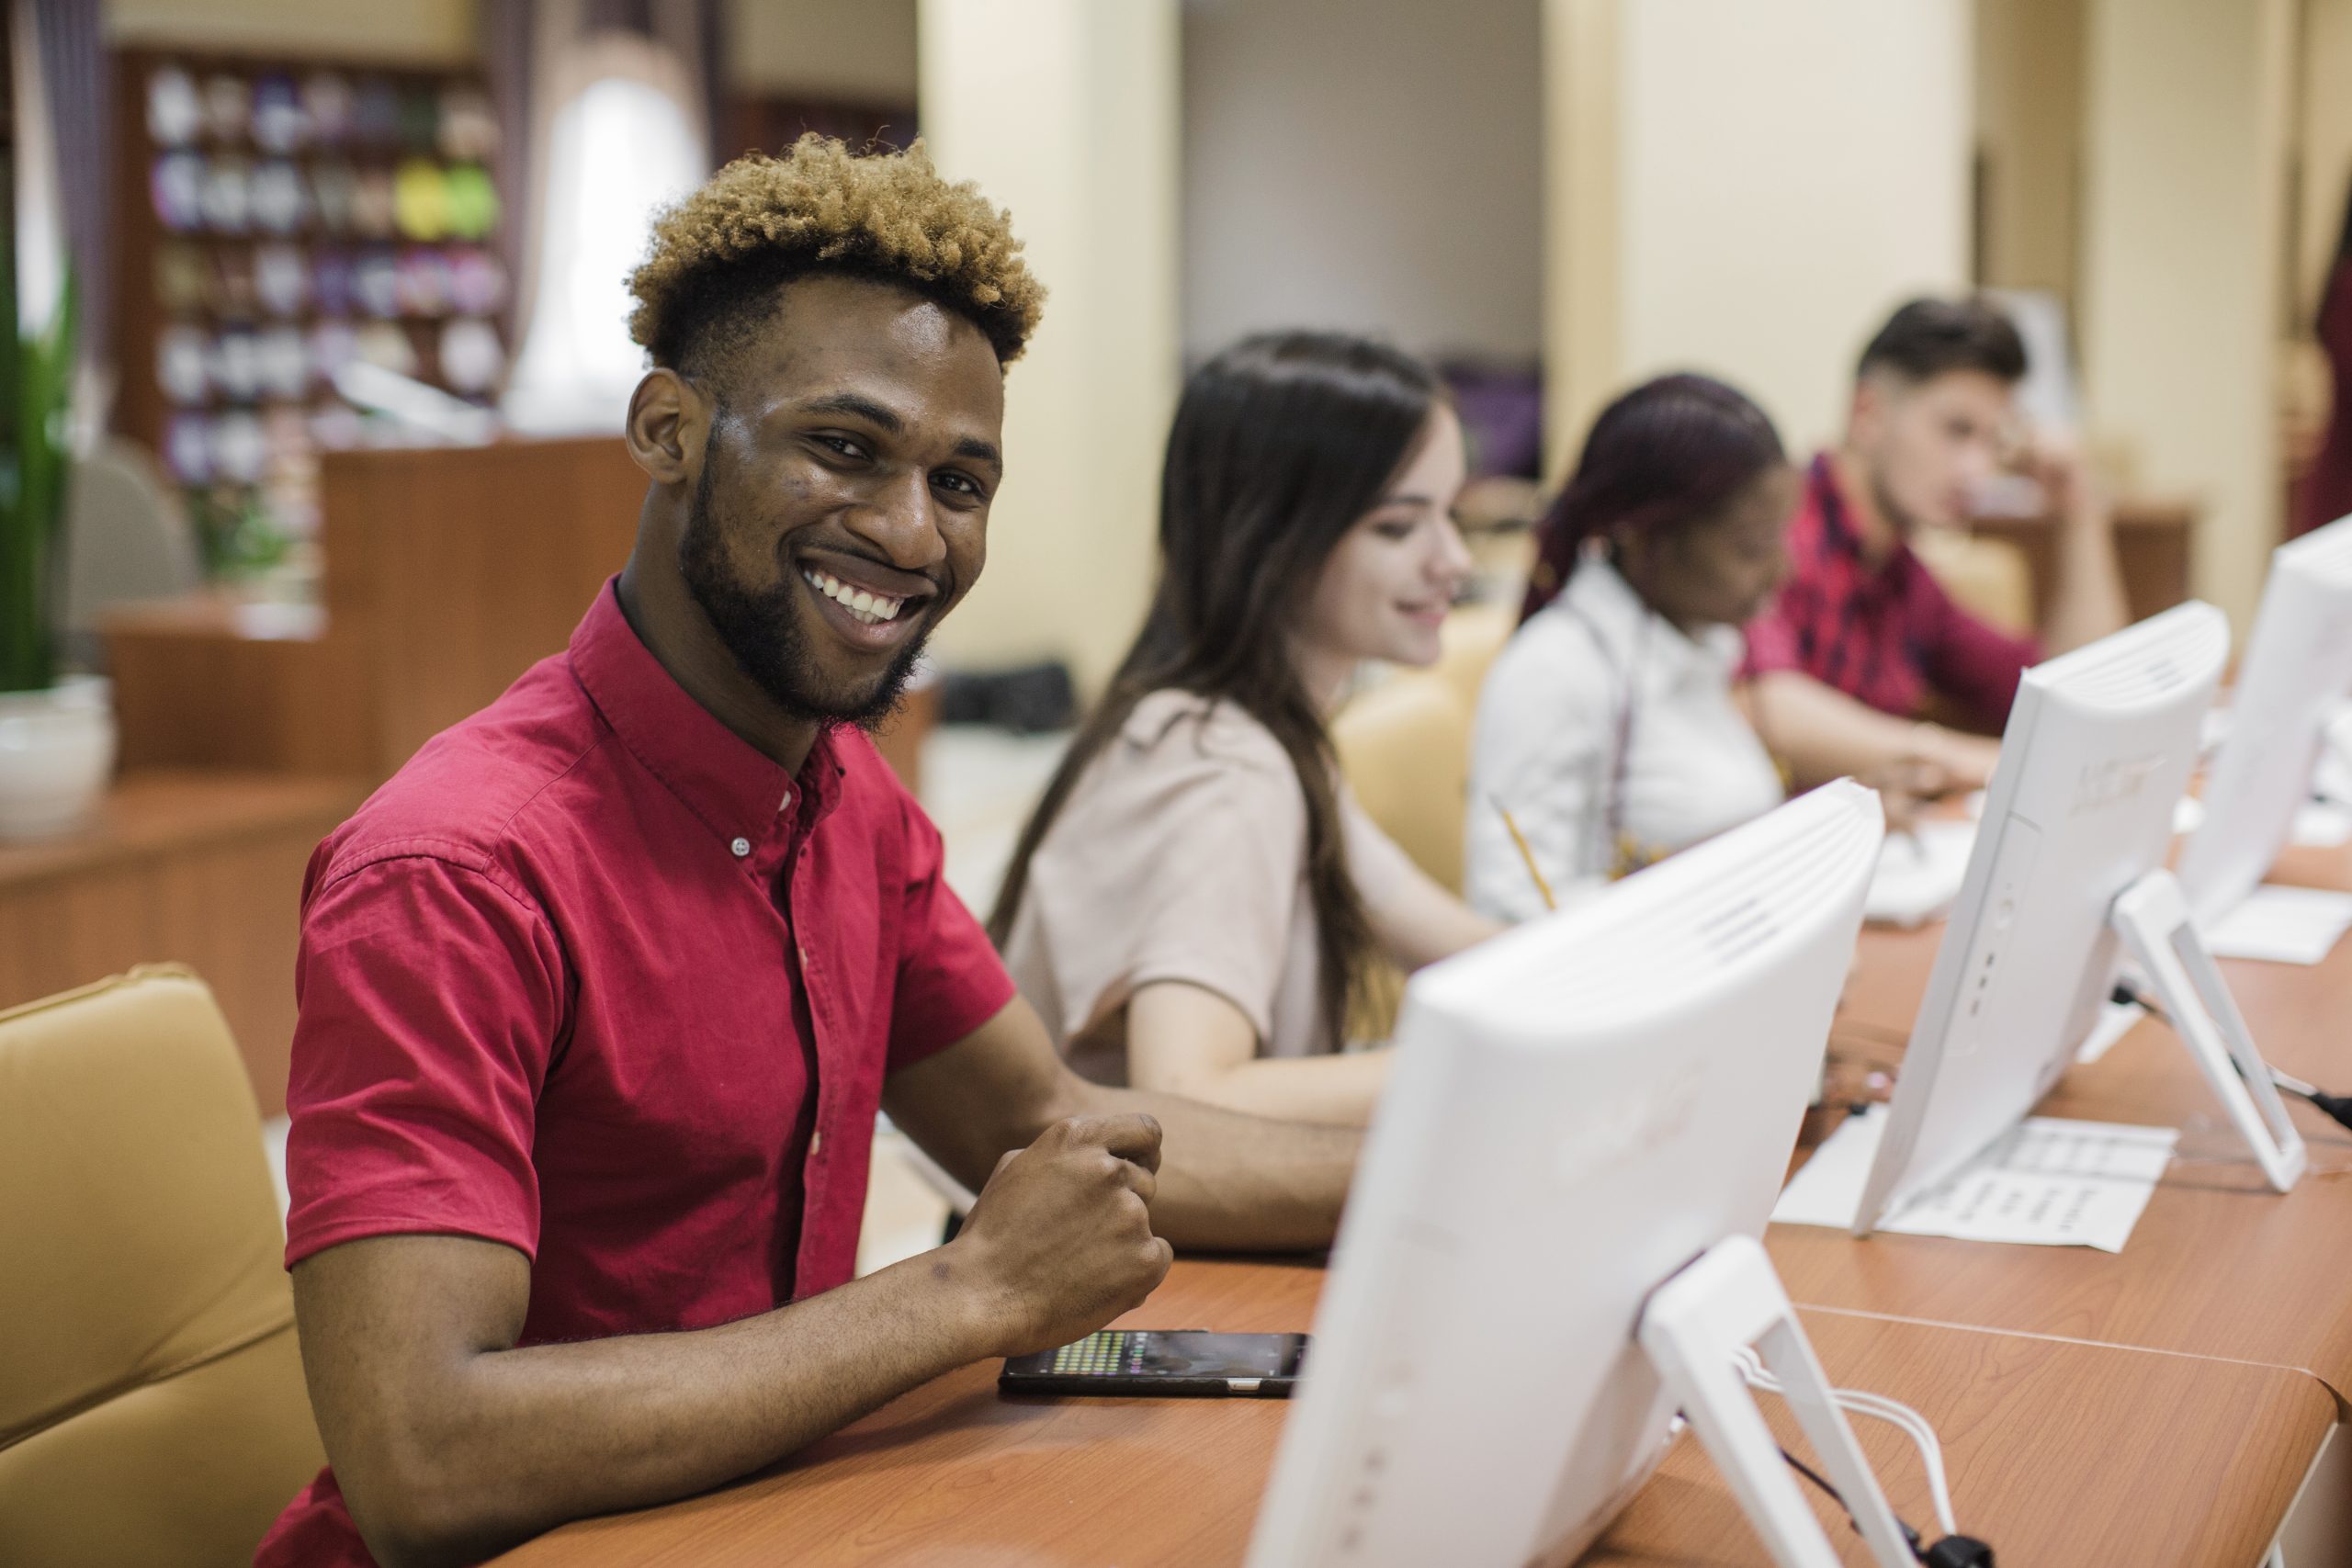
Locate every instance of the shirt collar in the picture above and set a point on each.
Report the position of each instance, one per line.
(1638, 636)
(737, 790)
(1837, 531)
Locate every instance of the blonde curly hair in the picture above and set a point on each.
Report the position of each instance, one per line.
(763, 220)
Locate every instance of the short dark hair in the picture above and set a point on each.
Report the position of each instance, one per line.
(1928, 337)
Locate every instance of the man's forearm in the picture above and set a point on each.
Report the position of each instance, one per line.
(1227, 1180)
(1820, 732)
(517, 1441)
(2086, 603)
(1235, 1182)
(1334, 1091)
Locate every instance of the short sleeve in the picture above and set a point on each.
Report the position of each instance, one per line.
(1178, 859)
(1974, 664)
(431, 1001)
(950, 980)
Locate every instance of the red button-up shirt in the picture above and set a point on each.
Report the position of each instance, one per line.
(594, 978)
(1887, 637)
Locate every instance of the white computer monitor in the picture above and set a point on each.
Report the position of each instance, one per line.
(2298, 669)
(1577, 1110)
(2099, 744)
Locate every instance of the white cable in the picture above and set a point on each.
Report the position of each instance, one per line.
(1877, 1406)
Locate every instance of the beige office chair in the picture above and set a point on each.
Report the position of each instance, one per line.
(152, 1405)
(126, 537)
(1472, 637)
(1404, 749)
(1988, 577)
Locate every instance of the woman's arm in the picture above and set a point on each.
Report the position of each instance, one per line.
(1187, 1040)
(1820, 733)
(1413, 918)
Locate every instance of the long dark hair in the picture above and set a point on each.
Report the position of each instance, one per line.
(1663, 455)
(1280, 445)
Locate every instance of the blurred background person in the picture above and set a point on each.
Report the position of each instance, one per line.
(1195, 900)
(1607, 728)
(2326, 490)
(1862, 646)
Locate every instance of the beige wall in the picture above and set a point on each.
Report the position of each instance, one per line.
(863, 50)
(1366, 165)
(1065, 112)
(1782, 175)
(2183, 207)
(389, 30)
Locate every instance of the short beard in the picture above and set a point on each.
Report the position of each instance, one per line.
(1904, 525)
(762, 629)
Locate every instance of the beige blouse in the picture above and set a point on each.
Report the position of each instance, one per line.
(1181, 855)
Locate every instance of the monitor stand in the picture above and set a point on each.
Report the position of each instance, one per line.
(1691, 1328)
(2152, 916)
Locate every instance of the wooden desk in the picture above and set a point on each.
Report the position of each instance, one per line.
(2059, 1453)
(2152, 544)
(2219, 1265)
(201, 867)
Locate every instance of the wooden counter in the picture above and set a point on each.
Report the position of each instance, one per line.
(203, 867)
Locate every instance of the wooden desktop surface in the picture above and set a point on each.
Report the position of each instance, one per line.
(2159, 1406)
(2219, 1265)
(2058, 1453)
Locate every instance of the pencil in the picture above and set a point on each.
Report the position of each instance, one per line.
(1528, 855)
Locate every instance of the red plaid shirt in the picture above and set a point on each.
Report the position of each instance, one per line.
(1888, 637)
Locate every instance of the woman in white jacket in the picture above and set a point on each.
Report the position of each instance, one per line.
(1609, 730)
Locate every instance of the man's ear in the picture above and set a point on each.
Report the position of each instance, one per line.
(1868, 409)
(668, 428)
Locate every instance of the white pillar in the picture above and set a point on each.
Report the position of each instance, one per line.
(1065, 111)
(2181, 267)
(1747, 190)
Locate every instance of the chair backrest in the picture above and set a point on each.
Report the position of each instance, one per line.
(126, 536)
(1405, 747)
(1472, 637)
(1988, 577)
(151, 1404)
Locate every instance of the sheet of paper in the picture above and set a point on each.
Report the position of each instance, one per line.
(2283, 925)
(2321, 825)
(2114, 1021)
(1919, 873)
(2047, 1182)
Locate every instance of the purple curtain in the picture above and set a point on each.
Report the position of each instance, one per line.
(75, 76)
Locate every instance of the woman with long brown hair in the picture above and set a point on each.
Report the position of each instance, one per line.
(1195, 902)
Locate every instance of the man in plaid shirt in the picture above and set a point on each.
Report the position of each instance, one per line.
(1862, 644)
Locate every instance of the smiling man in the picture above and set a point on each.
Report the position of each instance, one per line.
(600, 994)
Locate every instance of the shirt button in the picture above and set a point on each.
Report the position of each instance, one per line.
(816, 1140)
(742, 847)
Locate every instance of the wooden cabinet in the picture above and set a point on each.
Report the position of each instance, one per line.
(204, 868)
